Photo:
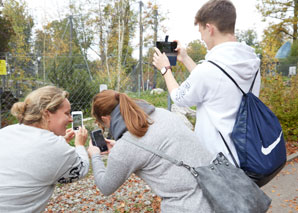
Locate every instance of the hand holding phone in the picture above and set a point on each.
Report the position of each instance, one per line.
(98, 140)
(77, 120)
(169, 49)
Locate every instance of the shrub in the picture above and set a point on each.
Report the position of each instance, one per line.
(280, 95)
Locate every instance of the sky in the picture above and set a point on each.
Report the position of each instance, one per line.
(180, 14)
(181, 18)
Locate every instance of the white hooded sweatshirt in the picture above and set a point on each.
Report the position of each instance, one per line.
(216, 97)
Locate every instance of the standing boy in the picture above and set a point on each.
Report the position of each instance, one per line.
(216, 97)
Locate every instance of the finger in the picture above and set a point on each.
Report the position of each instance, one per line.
(157, 51)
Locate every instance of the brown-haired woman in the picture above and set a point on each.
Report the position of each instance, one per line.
(34, 155)
(130, 120)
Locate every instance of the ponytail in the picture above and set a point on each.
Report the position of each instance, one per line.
(136, 120)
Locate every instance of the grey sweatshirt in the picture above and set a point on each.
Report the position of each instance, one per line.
(32, 161)
(175, 185)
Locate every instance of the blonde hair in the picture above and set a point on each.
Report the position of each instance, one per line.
(32, 109)
(136, 120)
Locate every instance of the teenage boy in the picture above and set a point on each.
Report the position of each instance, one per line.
(216, 97)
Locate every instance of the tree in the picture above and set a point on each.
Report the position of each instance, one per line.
(284, 12)
(20, 43)
(248, 36)
(196, 50)
(6, 33)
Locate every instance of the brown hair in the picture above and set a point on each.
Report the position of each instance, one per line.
(136, 120)
(221, 13)
(32, 109)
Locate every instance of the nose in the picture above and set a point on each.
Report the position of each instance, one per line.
(70, 119)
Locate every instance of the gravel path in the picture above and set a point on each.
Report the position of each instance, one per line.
(83, 196)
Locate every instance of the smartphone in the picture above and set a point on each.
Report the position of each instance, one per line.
(98, 140)
(77, 120)
(169, 49)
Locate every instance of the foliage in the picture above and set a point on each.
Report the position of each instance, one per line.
(20, 43)
(196, 50)
(248, 36)
(6, 32)
(269, 45)
(285, 15)
(280, 95)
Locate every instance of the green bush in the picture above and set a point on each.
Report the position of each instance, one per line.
(280, 95)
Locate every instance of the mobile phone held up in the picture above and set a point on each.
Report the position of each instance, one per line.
(98, 140)
(169, 49)
(77, 120)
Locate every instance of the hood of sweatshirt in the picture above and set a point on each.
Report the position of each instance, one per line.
(236, 57)
(117, 126)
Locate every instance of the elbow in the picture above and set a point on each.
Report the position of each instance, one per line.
(106, 191)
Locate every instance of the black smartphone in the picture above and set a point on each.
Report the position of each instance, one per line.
(98, 140)
(169, 49)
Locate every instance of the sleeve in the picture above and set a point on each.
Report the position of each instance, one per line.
(75, 165)
(109, 179)
(192, 90)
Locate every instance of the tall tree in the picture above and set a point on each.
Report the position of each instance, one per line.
(284, 13)
(20, 45)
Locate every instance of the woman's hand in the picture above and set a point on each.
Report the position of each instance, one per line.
(92, 149)
(81, 136)
(69, 135)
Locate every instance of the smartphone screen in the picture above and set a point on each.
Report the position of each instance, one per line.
(77, 120)
(166, 47)
(98, 140)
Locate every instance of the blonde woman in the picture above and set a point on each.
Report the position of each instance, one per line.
(35, 155)
(153, 127)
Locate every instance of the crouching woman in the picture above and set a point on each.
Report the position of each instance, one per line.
(35, 155)
(130, 120)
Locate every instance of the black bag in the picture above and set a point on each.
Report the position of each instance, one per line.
(258, 138)
(226, 187)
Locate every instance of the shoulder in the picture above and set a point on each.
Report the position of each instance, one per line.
(205, 70)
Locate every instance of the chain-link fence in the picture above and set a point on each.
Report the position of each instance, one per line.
(82, 79)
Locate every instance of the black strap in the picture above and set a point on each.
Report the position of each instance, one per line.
(235, 162)
(228, 76)
(253, 82)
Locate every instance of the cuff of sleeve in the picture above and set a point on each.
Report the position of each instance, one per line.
(96, 156)
(173, 94)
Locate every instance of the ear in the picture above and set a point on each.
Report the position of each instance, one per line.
(210, 28)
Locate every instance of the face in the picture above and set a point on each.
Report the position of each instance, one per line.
(58, 121)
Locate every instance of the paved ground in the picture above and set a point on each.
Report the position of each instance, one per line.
(283, 190)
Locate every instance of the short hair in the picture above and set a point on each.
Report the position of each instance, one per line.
(221, 13)
(32, 109)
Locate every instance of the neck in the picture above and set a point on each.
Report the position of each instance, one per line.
(38, 125)
(222, 38)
